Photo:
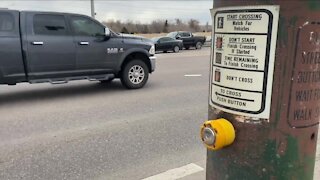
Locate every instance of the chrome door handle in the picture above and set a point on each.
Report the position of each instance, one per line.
(84, 43)
(37, 43)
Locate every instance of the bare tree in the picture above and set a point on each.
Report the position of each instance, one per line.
(114, 25)
(157, 26)
(194, 25)
(165, 27)
(124, 30)
(131, 27)
(180, 26)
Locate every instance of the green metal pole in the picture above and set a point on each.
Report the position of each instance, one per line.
(281, 144)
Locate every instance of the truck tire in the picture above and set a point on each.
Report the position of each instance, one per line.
(198, 45)
(135, 74)
(176, 49)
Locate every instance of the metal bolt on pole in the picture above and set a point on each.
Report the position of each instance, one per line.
(265, 80)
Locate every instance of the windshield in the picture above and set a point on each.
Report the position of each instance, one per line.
(172, 34)
(154, 39)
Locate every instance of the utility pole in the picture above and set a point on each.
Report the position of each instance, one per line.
(92, 9)
(264, 102)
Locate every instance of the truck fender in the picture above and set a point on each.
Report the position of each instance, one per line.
(132, 52)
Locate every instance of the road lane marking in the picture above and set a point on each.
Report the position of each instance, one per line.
(192, 75)
(177, 173)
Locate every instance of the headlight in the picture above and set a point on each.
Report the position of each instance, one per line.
(152, 50)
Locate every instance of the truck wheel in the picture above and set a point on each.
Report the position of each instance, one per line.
(134, 74)
(176, 49)
(198, 45)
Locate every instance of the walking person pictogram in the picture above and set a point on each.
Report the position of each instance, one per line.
(220, 23)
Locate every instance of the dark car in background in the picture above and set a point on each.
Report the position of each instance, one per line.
(167, 44)
(188, 39)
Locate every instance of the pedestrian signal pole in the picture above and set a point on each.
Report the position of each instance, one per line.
(264, 102)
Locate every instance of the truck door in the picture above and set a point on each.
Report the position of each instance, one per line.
(168, 43)
(51, 51)
(187, 39)
(11, 61)
(94, 53)
(163, 44)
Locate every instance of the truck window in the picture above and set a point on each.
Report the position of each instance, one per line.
(172, 34)
(6, 22)
(185, 34)
(86, 27)
(45, 24)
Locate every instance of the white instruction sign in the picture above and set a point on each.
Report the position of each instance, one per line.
(242, 63)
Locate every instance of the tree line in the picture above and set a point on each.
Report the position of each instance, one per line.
(157, 26)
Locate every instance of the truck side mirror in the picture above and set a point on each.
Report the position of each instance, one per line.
(178, 37)
(107, 33)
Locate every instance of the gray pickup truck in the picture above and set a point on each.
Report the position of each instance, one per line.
(188, 39)
(39, 47)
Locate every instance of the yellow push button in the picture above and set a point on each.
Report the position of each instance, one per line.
(217, 134)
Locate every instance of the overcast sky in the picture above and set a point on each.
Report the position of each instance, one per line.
(135, 10)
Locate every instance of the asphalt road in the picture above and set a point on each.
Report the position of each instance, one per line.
(85, 130)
